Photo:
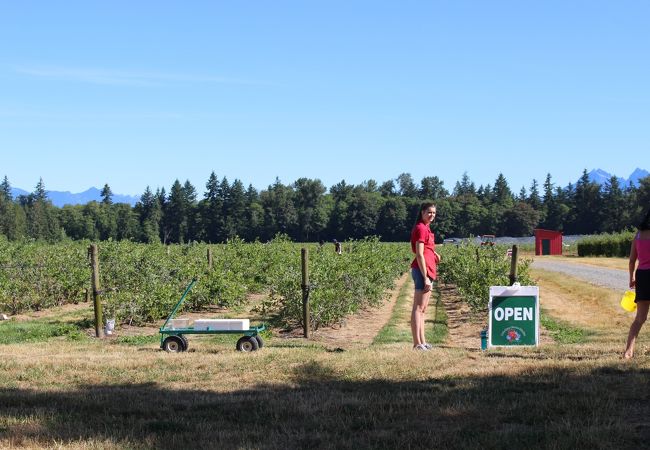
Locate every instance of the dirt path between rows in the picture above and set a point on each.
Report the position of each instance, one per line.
(359, 330)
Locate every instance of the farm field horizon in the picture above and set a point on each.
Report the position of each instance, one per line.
(356, 384)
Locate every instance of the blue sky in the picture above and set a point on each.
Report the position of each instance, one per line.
(137, 93)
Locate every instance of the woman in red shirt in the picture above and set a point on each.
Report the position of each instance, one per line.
(423, 271)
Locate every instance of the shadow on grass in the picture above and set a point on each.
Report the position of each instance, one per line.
(604, 407)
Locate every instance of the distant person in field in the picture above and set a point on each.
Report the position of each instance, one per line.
(640, 280)
(337, 247)
(423, 271)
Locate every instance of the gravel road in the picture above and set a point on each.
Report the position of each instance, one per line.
(611, 278)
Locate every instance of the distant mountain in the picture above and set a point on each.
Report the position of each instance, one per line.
(59, 198)
(601, 177)
(637, 175)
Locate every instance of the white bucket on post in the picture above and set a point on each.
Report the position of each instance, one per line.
(110, 327)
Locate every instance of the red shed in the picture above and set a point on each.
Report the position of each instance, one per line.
(548, 242)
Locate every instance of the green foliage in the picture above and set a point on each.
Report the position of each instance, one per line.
(13, 331)
(473, 269)
(617, 244)
(563, 333)
(141, 283)
(138, 340)
(340, 285)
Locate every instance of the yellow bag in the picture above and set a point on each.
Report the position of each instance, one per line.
(627, 302)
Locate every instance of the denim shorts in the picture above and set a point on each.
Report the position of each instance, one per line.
(418, 278)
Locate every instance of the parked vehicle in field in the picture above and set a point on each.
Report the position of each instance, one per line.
(456, 241)
(487, 239)
(173, 331)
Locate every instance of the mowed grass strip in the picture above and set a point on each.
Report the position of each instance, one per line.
(12, 331)
(575, 311)
(398, 328)
(563, 333)
(93, 395)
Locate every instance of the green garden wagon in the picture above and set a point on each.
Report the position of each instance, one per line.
(173, 339)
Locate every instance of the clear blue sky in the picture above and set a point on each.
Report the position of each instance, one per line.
(137, 93)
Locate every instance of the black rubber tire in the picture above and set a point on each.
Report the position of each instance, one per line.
(186, 344)
(247, 344)
(173, 344)
(260, 341)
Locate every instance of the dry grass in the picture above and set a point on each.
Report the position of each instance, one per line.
(292, 394)
(98, 395)
(609, 263)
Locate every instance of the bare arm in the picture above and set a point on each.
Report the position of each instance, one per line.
(422, 264)
(633, 258)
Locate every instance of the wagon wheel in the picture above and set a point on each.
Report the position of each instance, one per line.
(173, 344)
(247, 344)
(260, 341)
(186, 344)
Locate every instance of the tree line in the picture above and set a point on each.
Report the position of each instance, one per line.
(307, 211)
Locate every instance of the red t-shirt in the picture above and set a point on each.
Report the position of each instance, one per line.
(422, 233)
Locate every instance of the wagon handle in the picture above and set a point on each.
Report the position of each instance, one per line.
(180, 302)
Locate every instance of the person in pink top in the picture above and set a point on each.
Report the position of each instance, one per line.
(640, 280)
(423, 271)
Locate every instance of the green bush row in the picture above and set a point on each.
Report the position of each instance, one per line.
(140, 283)
(339, 285)
(618, 244)
(473, 269)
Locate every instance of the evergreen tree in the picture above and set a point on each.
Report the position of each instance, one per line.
(308, 202)
(193, 222)
(42, 221)
(107, 224)
(341, 191)
(211, 211)
(502, 193)
(392, 220)
(642, 200)
(407, 187)
(234, 210)
(370, 186)
(107, 195)
(616, 215)
(5, 189)
(362, 215)
(469, 214)
(554, 210)
(127, 222)
(76, 224)
(175, 215)
(465, 186)
(254, 215)
(12, 216)
(523, 195)
(279, 211)
(432, 188)
(39, 193)
(149, 213)
(387, 188)
(586, 207)
(533, 198)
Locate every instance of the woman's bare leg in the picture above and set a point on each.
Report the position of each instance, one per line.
(420, 302)
(425, 303)
(639, 320)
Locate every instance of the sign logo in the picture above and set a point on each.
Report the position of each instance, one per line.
(513, 334)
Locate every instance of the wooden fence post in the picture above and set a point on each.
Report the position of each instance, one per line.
(513, 265)
(304, 254)
(209, 258)
(94, 263)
